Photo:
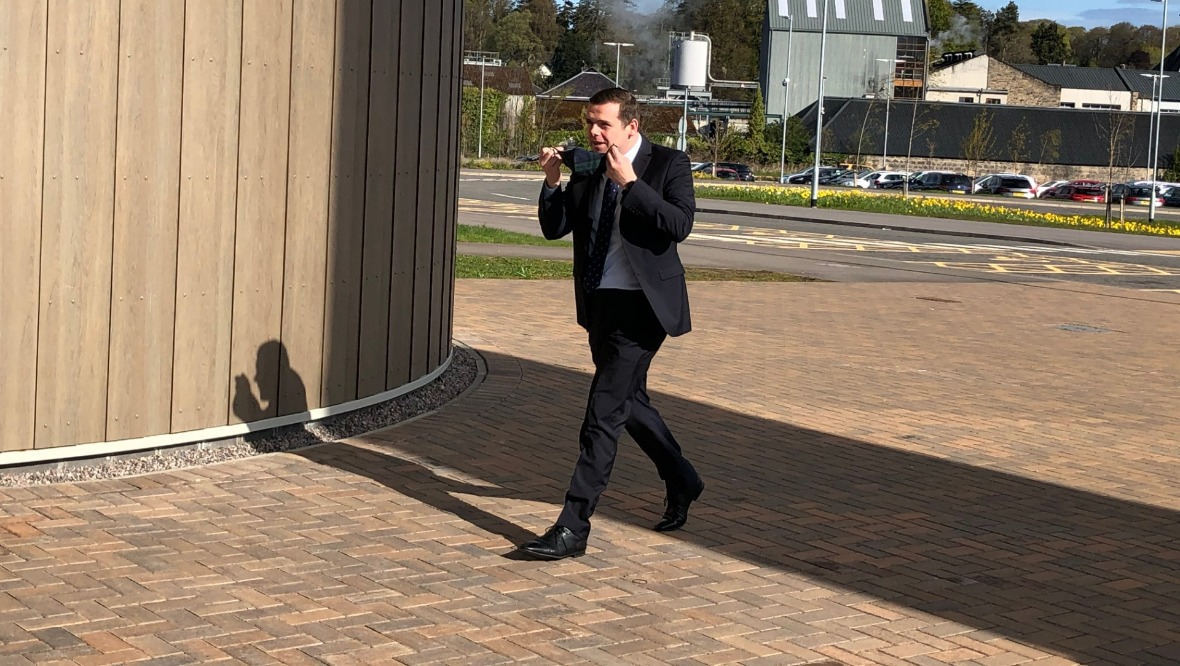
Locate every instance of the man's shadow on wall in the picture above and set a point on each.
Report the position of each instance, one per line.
(279, 387)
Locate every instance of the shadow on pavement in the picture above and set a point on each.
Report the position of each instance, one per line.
(1067, 570)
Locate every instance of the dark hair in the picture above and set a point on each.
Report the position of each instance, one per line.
(628, 105)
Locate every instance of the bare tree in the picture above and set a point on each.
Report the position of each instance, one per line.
(719, 138)
(917, 130)
(1050, 146)
(979, 142)
(1018, 145)
(1116, 129)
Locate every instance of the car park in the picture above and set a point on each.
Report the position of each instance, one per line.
(1007, 185)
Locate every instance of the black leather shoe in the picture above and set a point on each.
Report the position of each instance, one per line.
(556, 544)
(676, 513)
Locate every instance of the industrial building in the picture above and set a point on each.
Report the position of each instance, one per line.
(873, 48)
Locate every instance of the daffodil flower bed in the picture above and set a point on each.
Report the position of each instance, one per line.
(929, 206)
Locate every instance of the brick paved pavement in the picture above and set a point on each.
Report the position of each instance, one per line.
(898, 474)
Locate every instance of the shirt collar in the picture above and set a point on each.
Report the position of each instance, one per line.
(631, 154)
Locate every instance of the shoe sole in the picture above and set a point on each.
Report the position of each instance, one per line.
(552, 558)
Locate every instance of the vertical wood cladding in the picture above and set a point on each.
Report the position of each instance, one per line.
(219, 211)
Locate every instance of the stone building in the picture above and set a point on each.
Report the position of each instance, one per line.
(982, 79)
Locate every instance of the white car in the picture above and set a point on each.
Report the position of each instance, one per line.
(1048, 187)
(885, 178)
(1007, 185)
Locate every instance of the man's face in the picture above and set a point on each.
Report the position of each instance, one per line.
(604, 128)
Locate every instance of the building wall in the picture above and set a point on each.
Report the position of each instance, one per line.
(219, 212)
(1080, 97)
(966, 74)
(1146, 104)
(978, 96)
(850, 65)
(1023, 90)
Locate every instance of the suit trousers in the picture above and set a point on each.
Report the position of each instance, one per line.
(624, 338)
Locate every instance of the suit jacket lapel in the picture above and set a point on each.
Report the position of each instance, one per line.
(642, 159)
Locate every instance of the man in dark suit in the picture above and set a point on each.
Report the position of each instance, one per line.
(628, 203)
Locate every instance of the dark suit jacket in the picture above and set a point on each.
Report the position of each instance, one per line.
(657, 213)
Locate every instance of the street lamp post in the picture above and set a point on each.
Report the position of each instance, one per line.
(888, 97)
(819, 106)
(484, 59)
(1155, 140)
(782, 163)
(618, 48)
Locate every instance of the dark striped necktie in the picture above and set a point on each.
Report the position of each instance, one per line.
(592, 276)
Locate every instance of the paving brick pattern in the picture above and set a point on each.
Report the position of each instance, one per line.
(897, 474)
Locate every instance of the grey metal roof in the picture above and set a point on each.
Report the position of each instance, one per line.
(1084, 133)
(1083, 78)
(581, 86)
(862, 17)
(507, 79)
(1135, 80)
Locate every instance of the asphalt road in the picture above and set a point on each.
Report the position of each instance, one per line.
(852, 254)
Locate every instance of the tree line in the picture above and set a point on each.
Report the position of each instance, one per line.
(568, 36)
(962, 25)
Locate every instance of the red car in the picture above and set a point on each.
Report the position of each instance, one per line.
(1079, 190)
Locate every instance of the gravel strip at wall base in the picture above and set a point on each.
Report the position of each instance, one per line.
(462, 373)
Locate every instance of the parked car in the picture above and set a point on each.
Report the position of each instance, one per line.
(1007, 185)
(849, 178)
(1134, 195)
(888, 179)
(1172, 196)
(944, 181)
(1079, 190)
(805, 176)
(743, 170)
(1045, 188)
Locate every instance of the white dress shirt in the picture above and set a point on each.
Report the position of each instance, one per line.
(618, 273)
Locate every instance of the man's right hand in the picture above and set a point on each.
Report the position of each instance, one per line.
(551, 164)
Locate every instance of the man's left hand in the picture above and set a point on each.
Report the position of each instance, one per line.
(618, 167)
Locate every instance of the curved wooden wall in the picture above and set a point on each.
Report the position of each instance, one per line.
(220, 211)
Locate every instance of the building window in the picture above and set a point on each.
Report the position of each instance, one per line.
(909, 71)
(1068, 105)
(967, 100)
(1110, 107)
(992, 100)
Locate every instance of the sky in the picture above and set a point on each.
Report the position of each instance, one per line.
(1092, 13)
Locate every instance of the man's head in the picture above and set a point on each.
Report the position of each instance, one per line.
(612, 118)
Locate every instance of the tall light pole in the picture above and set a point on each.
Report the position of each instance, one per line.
(1155, 140)
(1156, 82)
(819, 106)
(618, 48)
(484, 59)
(782, 162)
(888, 97)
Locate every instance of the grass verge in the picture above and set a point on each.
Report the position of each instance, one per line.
(470, 233)
(929, 206)
(516, 268)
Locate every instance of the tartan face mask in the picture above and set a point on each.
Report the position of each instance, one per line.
(581, 161)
